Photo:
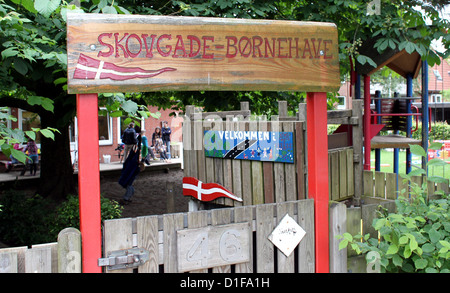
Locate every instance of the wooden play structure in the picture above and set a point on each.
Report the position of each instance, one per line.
(392, 113)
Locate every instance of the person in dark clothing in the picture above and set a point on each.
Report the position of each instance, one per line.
(129, 139)
(166, 131)
(131, 168)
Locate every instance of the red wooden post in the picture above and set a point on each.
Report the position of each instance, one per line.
(316, 107)
(367, 128)
(89, 181)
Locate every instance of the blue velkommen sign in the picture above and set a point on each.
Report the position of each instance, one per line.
(250, 145)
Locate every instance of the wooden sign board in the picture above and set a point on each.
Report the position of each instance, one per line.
(134, 53)
(213, 246)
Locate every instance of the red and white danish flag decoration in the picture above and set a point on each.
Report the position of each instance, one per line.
(90, 68)
(205, 191)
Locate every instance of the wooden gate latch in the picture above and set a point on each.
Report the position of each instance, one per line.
(124, 259)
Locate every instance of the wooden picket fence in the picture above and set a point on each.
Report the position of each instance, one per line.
(341, 174)
(388, 185)
(158, 234)
(268, 182)
(63, 256)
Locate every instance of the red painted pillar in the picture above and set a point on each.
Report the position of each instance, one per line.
(367, 128)
(89, 181)
(316, 107)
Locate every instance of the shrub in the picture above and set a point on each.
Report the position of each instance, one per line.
(27, 220)
(414, 239)
(24, 219)
(68, 213)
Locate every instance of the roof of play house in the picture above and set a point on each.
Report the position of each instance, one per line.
(399, 61)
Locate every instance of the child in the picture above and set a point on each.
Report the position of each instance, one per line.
(32, 150)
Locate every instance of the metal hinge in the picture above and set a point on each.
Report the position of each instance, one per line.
(124, 259)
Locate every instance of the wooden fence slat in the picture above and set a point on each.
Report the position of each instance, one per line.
(380, 184)
(221, 217)
(247, 192)
(338, 222)
(118, 235)
(15, 259)
(391, 186)
(306, 247)
(257, 173)
(264, 248)
(8, 261)
(69, 251)
(350, 173)
(147, 238)
(368, 183)
(39, 259)
(353, 225)
(245, 214)
(343, 192)
(289, 169)
(171, 223)
(197, 220)
(335, 175)
(300, 160)
(285, 264)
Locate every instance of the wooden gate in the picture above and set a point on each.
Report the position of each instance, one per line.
(161, 237)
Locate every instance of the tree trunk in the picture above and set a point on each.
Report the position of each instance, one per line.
(57, 180)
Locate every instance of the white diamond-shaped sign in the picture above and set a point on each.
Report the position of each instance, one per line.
(287, 235)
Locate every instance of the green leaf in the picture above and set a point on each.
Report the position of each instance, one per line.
(403, 240)
(397, 260)
(156, 115)
(47, 104)
(10, 52)
(434, 235)
(31, 134)
(130, 106)
(20, 66)
(393, 249)
(435, 146)
(46, 7)
(428, 248)
(47, 133)
(343, 244)
(407, 252)
(420, 263)
(20, 156)
(436, 162)
(347, 236)
(417, 150)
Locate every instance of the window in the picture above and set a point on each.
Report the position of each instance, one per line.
(105, 129)
(436, 98)
(342, 103)
(29, 120)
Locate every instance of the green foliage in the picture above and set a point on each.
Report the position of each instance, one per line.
(439, 131)
(68, 213)
(24, 219)
(417, 237)
(29, 220)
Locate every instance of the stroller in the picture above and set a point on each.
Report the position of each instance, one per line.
(119, 149)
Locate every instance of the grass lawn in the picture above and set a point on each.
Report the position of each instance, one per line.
(387, 163)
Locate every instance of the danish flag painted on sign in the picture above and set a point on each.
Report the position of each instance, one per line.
(90, 68)
(205, 191)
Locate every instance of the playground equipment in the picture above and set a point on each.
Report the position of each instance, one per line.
(392, 113)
